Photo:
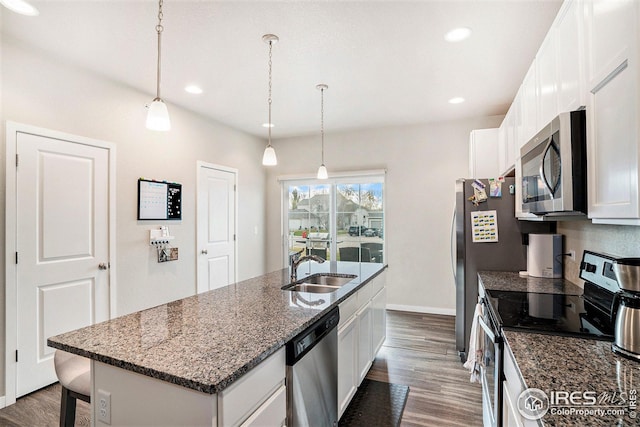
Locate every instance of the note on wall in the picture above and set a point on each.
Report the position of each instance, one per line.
(484, 226)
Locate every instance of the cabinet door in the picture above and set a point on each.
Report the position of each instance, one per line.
(364, 341)
(546, 63)
(483, 153)
(569, 35)
(613, 126)
(528, 104)
(347, 358)
(379, 320)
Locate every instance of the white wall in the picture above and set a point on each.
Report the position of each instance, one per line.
(47, 93)
(422, 164)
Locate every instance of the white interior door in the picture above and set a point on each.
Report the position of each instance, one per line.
(216, 245)
(62, 245)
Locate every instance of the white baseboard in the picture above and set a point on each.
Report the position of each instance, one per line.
(3, 402)
(421, 309)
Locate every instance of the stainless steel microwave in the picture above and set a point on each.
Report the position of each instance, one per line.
(554, 168)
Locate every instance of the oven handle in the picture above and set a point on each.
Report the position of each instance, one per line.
(487, 329)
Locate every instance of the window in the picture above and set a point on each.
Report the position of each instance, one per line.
(339, 219)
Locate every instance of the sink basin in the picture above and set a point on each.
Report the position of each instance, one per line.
(320, 283)
(326, 280)
(314, 289)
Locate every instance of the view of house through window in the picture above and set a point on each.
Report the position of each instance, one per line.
(341, 220)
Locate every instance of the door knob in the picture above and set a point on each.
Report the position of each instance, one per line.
(102, 266)
(204, 252)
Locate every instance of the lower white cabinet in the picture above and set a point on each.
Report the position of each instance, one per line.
(259, 398)
(347, 369)
(378, 320)
(512, 387)
(363, 317)
(361, 332)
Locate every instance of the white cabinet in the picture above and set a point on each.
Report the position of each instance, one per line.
(483, 153)
(571, 60)
(512, 386)
(378, 320)
(613, 110)
(258, 398)
(529, 105)
(347, 369)
(364, 340)
(361, 332)
(546, 65)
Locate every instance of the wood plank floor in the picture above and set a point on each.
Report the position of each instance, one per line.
(419, 352)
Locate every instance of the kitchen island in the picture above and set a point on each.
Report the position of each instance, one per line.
(586, 383)
(203, 344)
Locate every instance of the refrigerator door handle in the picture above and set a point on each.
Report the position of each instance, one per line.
(453, 245)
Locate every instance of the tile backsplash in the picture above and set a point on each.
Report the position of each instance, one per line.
(620, 240)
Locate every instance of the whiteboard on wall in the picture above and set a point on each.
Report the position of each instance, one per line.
(159, 200)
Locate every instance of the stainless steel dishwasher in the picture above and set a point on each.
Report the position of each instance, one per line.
(312, 374)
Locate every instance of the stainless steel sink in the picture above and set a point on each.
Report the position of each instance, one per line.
(320, 283)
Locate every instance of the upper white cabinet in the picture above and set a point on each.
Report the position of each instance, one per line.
(547, 68)
(613, 109)
(569, 34)
(529, 105)
(483, 153)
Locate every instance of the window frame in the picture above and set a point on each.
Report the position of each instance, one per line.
(354, 177)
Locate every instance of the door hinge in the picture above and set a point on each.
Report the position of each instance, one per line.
(16, 257)
(234, 187)
(234, 237)
(17, 160)
(16, 355)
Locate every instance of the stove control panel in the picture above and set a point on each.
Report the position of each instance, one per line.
(597, 268)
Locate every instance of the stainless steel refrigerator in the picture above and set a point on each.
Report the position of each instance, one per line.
(509, 253)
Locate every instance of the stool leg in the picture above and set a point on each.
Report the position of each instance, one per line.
(67, 409)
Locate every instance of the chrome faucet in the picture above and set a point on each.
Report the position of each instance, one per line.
(296, 262)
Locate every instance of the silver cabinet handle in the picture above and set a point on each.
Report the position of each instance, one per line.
(204, 252)
(102, 266)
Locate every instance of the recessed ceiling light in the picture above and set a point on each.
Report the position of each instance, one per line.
(456, 100)
(268, 125)
(196, 90)
(457, 34)
(20, 6)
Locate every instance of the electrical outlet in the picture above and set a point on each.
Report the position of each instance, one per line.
(104, 406)
(572, 255)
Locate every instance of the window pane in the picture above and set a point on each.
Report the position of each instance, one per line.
(309, 219)
(360, 221)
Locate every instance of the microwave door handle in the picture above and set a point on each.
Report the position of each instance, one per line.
(542, 175)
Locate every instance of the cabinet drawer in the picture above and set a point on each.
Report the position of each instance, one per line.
(512, 382)
(348, 309)
(272, 413)
(247, 394)
(364, 295)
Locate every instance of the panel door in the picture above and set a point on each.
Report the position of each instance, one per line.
(347, 354)
(216, 246)
(364, 341)
(62, 245)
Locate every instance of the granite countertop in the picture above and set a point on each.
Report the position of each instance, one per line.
(557, 363)
(207, 341)
(512, 281)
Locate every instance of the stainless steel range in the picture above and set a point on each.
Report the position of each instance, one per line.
(590, 315)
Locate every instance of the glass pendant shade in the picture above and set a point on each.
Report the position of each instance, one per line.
(269, 157)
(20, 6)
(322, 172)
(158, 116)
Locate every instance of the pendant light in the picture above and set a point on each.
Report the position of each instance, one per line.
(269, 157)
(322, 170)
(158, 115)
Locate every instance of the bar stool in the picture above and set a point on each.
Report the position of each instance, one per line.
(74, 374)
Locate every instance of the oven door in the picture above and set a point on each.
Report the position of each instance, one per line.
(491, 371)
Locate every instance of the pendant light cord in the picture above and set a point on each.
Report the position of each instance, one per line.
(159, 29)
(322, 121)
(270, 123)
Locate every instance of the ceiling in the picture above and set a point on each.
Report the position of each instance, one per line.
(386, 62)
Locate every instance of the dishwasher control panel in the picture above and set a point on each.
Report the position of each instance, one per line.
(306, 340)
